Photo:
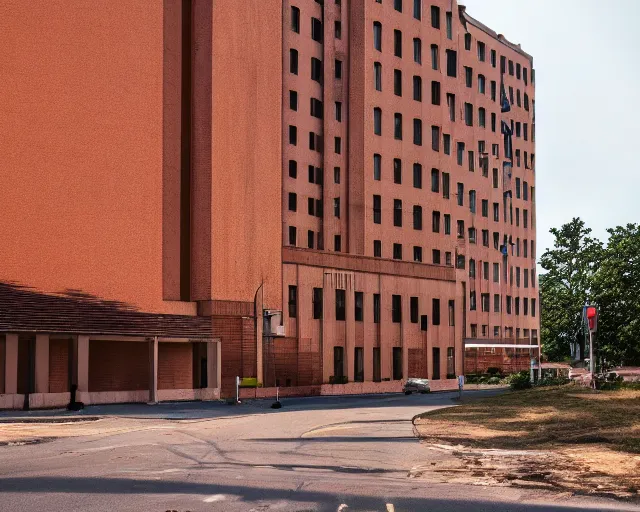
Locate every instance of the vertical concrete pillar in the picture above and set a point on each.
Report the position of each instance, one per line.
(405, 325)
(214, 366)
(153, 370)
(83, 363)
(11, 364)
(42, 363)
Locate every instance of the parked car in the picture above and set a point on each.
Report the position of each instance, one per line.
(416, 385)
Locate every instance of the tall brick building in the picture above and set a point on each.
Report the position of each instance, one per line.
(315, 195)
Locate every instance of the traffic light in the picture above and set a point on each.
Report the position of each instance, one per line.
(592, 318)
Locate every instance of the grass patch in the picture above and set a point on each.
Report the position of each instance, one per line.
(543, 418)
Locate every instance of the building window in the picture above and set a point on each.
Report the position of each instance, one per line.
(445, 185)
(446, 142)
(397, 5)
(295, 19)
(336, 207)
(467, 41)
(417, 9)
(316, 70)
(460, 194)
(377, 167)
(310, 239)
(337, 243)
(338, 145)
(293, 135)
(397, 82)
(485, 237)
(468, 76)
(377, 209)
(435, 16)
(293, 201)
(449, 16)
(340, 304)
(417, 253)
(447, 224)
(482, 117)
(472, 201)
(468, 114)
(435, 222)
(435, 138)
(417, 217)
(397, 43)
(434, 57)
(417, 50)
(472, 301)
(435, 311)
(452, 65)
(316, 108)
(481, 84)
(293, 301)
(338, 106)
(377, 121)
(435, 92)
(293, 100)
(396, 309)
(481, 51)
(338, 69)
(377, 249)
(495, 178)
(293, 61)
(435, 180)
(377, 73)
(460, 228)
(435, 255)
(417, 175)
(317, 303)
(397, 126)
(472, 268)
(337, 29)
(397, 213)
(417, 88)
(316, 30)
(397, 171)
(359, 306)
(292, 235)
(417, 132)
(485, 208)
(376, 308)
(377, 35)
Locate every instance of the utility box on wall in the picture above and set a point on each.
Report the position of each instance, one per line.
(272, 323)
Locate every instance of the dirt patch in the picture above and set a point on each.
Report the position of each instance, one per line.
(562, 438)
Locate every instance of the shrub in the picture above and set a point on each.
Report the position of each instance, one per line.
(520, 380)
(553, 381)
(471, 378)
(492, 370)
(494, 380)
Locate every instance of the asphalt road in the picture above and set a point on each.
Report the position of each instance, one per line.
(333, 454)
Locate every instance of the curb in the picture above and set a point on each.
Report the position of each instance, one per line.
(51, 419)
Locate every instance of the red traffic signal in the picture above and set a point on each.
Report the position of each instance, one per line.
(592, 317)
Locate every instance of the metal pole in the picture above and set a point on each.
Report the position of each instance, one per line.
(592, 362)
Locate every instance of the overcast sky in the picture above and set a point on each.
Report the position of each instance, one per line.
(587, 59)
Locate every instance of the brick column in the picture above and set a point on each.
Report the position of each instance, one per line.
(83, 364)
(42, 363)
(11, 364)
(153, 370)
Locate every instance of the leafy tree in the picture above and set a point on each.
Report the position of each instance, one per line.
(566, 287)
(616, 291)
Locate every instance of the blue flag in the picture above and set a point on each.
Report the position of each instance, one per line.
(505, 105)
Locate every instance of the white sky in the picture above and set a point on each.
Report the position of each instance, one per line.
(587, 59)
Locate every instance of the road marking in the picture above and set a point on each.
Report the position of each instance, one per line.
(215, 498)
(342, 507)
(390, 507)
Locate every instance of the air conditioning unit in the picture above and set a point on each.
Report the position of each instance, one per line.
(272, 323)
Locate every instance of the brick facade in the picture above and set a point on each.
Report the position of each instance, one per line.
(175, 366)
(59, 365)
(118, 366)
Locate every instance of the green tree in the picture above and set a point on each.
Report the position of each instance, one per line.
(565, 287)
(616, 291)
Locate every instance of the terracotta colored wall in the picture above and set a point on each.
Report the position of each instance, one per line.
(58, 366)
(82, 148)
(2, 352)
(175, 366)
(246, 148)
(239, 350)
(118, 366)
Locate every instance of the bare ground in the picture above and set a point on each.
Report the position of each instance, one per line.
(563, 438)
